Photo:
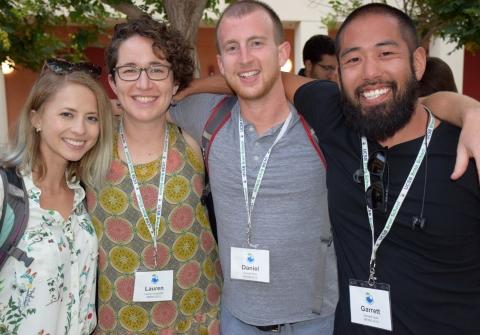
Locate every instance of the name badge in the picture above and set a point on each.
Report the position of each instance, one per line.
(370, 305)
(153, 286)
(250, 264)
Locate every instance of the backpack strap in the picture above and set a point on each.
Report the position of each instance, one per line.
(327, 232)
(4, 178)
(219, 115)
(313, 139)
(16, 197)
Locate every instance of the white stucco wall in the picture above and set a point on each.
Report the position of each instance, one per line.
(304, 31)
(306, 15)
(3, 112)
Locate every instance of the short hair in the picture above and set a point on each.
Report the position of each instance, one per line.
(25, 153)
(168, 44)
(437, 77)
(317, 46)
(406, 24)
(242, 8)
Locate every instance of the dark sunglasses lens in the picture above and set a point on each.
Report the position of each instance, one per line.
(375, 196)
(376, 163)
(58, 66)
(89, 68)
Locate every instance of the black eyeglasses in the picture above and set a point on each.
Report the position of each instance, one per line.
(327, 68)
(376, 195)
(61, 66)
(132, 73)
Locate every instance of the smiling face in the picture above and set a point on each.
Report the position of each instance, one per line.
(250, 59)
(378, 74)
(144, 99)
(69, 124)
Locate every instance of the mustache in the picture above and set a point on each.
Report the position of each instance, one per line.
(381, 121)
(392, 84)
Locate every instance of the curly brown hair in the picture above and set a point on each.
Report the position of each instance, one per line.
(168, 44)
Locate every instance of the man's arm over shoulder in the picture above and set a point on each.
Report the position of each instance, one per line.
(464, 112)
(291, 84)
(319, 103)
(451, 107)
(212, 84)
(192, 112)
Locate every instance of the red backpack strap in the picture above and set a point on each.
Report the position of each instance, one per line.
(326, 230)
(313, 139)
(219, 115)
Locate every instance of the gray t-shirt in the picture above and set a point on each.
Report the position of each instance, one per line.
(290, 217)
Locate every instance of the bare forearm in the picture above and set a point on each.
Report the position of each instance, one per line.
(292, 83)
(212, 84)
(217, 84)
(452, 107)
(464, 112)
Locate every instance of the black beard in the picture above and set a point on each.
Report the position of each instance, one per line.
(381, 122)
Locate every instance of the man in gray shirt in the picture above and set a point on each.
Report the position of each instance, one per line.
(268, 184)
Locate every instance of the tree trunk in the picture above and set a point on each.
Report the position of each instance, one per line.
(185, 16)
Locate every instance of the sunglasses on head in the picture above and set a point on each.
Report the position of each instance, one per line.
(61, 66)
(376, 195)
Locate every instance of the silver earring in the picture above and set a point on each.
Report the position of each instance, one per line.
(38, 129)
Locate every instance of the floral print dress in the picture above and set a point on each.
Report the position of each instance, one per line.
(185, 245)
(56, 294)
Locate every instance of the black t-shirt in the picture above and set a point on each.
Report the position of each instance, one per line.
(434, 273)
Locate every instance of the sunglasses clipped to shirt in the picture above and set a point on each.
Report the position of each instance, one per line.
(376, 195)
(61, 66)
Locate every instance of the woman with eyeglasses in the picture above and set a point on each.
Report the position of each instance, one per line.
(47, 285)
(159, 271)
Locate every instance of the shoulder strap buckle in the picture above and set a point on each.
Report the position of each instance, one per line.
(20, 255)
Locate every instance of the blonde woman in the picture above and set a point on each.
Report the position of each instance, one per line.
(64, 137)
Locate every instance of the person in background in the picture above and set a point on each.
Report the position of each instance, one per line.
(437, 77)
(63, 137)
(158, 261)
(319, 58)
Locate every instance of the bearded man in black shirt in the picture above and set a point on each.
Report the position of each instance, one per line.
(407, 237)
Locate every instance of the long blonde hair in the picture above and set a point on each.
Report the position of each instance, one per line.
(24, 152)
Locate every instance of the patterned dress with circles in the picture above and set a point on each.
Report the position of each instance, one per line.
(185, 245)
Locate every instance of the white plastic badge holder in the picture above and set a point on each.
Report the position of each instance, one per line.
(250, 264)
(370, 305)
(153, 286)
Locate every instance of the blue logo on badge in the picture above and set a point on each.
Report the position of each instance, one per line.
(154, 279)
(369, 298)
(250, 258)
